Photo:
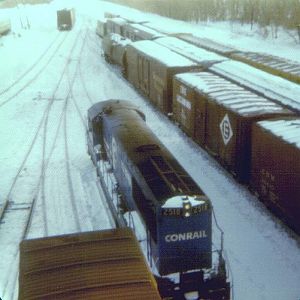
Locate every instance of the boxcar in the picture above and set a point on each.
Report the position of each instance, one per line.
(115, 25)
(65, 19)
(138, 32)
(275, 174)
(277, 88)
(207, 44)
(272, 64)
(101, 27)
(93, 265)
(114, 47)
(218, 115)
(150, 68)
(200, 56)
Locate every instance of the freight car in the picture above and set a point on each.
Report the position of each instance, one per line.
(176, 213)
(218, 115)
(232, 146)
(150, 68)
(115, 25)
(65, 19)
(114, 47)
(276, 167)
(101, 28)
(106, 264)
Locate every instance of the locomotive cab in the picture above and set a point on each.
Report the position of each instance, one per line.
(184, 234)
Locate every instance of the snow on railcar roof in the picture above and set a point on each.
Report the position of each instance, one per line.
(120, 40)
(161, 53)
(229, 94)
(277, 88)
(145, 29)
(288, 130)
(117, 20)
(189, 50)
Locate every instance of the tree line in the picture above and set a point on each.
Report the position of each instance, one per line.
(268, 14)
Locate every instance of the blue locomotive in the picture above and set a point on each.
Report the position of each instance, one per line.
(175, 211)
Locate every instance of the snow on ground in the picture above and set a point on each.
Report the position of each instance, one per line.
(263, 256)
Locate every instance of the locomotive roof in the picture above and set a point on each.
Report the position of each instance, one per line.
(269, 85)
(162, 54)
(163, 174)
(98, 107)
(286, 129)
(188, 50)
(230, 95)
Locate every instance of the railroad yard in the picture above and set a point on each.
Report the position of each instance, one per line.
(49, 79)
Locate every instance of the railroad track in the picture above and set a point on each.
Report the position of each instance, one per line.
(29, 81)
(16, 215)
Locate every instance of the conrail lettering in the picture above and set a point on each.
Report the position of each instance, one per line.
(177, 237)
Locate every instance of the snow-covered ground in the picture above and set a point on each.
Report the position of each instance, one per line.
(48, 81)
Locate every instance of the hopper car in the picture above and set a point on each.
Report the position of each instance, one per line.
(176, 213)
(107, 264)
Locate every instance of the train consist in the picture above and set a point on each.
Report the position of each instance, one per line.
(99, 265)
(218, 102)
(176, 214)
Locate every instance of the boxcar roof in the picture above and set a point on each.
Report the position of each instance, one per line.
(93, 265)
(229, 94)
(117, 20)
(286, 129)
(144, 28)
(188, 50)
(162, 54)
(269, 85)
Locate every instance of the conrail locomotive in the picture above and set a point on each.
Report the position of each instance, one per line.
(176, 213)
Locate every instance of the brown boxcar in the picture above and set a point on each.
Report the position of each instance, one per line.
(275, 173)
(101, 28)
(94, 265)
(150, 68)
(115, 25)
(114, 47)
(220, 117)
(138, 32)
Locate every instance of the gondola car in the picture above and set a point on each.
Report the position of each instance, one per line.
(102, 265)
(175, 211)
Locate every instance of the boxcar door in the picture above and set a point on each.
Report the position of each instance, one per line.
(200, 120)
(144, 74)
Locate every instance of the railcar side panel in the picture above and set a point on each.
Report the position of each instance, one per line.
(275, 173)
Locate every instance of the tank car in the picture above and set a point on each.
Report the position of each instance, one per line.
(175, 211)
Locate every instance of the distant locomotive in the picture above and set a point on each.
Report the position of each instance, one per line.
(175, 211)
